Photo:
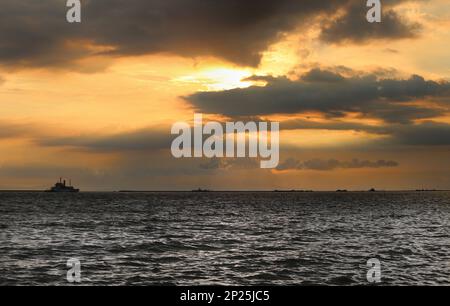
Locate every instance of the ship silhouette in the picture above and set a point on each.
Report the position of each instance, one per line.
(201, 190)
(62, 187)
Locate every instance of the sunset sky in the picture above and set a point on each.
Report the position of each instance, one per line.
(360, 105)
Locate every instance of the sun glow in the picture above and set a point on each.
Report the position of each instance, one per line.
(218, 79)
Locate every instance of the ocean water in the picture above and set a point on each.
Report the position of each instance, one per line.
(225, 238)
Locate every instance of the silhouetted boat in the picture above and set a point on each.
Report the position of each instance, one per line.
(201, 190)
(62, 187)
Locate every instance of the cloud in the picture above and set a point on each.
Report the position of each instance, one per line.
(35, 33)
(325, 76)
(12, 130)
(212, 164)
(331, 94)
(332, 164)
(159, 139)
(335, 125)
(353, 26)
(427, 133)
(295, 164)
(424, 134)
(230, 164)
(140, 140)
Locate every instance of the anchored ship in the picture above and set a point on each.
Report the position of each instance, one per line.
(62, 187)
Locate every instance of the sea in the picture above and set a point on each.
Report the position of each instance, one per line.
(225, 238)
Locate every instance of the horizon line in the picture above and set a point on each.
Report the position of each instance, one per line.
(234, 190)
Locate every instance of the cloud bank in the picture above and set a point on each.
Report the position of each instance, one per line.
(36, 34)
(329, 93)
(353, 27)
(332, 164)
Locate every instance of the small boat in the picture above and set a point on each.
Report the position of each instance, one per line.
(62, 187)
(201, 190)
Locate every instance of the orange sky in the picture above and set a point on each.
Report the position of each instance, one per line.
(104, 96)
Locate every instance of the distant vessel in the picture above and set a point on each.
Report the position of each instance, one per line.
(201, 190)
(62, 187)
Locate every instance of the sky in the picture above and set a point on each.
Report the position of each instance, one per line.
(361, 105)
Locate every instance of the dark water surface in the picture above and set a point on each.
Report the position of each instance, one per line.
(225, 238)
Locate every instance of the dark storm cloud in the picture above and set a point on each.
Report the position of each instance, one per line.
(353, 26)
(421, 134)
(424, 134)
(35, 33)
(332, 164)
(331, 94)
(318, 75)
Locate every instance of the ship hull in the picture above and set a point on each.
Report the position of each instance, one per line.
(61, 187)
(63, 191)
